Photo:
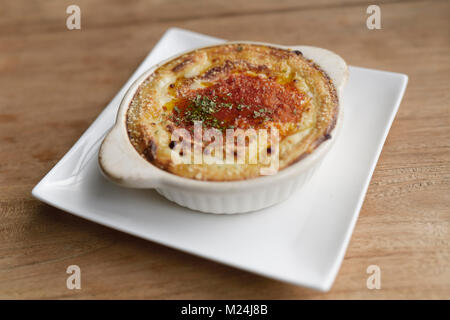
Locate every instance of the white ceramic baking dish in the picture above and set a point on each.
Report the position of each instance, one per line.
(121, 163)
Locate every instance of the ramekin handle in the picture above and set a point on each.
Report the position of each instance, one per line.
(122, 164)
(330, 62)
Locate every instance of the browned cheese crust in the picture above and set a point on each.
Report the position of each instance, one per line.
(233, 86)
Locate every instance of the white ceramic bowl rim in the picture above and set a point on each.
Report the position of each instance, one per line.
(164, 178)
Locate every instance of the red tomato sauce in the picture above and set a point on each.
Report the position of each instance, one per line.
(240, 101)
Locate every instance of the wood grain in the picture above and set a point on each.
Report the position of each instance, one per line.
(54, 82)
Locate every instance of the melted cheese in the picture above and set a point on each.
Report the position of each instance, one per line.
(280, 74)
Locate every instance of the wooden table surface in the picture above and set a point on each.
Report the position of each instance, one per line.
(54, 82)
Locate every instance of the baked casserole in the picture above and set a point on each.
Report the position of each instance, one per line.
(230, 87)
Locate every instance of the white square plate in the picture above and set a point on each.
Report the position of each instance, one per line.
(302, 240)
